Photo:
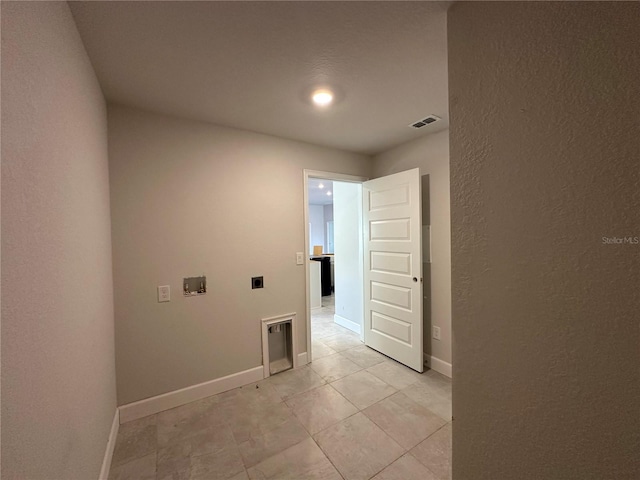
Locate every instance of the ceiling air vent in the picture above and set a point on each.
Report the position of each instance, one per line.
(425, 121)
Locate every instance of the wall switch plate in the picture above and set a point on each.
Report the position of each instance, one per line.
(436, 333)
(164, 293)
(257, 282)
(299, 258)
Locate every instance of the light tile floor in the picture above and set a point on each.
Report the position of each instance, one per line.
(350, 414)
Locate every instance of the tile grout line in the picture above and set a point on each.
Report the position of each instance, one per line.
(327, 456)
(418, 460)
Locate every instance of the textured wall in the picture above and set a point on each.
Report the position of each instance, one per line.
(58, 368)
(545, 162)
(190, 198)
(431, 155)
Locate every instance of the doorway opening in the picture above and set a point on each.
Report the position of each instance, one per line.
(333, 219)
(381, 305)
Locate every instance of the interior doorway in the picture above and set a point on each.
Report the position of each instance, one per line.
(334, 265)
(381, 305)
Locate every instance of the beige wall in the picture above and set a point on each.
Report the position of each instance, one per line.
(189, 198)
(58, 369)
(431, 155)
(545, 161)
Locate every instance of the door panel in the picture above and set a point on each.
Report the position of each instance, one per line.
(393, 267)
(391, 295)
(388, 198)
(392, 327)
(397, 229)
(389, 262)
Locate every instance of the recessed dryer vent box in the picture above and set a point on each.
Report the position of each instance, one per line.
(193, 286)
(279, 351)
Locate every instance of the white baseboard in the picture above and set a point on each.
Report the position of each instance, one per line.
(440, 366)
(111, 445)
(159, 403)
(302, 359)
(346, 323)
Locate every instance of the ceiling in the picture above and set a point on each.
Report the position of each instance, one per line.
(317, 189)
(252, 65)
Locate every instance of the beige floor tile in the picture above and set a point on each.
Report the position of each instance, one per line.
(395, 374)
(404, 420)
(174, 462)
(348, 331)
(320, 350)
(320, 408)
(213, 440)
(179, 423)
(329, 301)
(447, 393)
(406, 468)
(342, 341)
(319, 332)
(248, 421)
(430, 398)
(322, 321)
(324, 326)
(241, 476)
(293, 382)
(363, 389)
(364, 356)
(183, 474)
(263, 446)
(143, 468)
(304, 461)
(358, 448)
(322, 317)
(438, 377)
(435, 453)
(438, 382)
(217, 466)
(259, 392)
(135, 439)
(329, 330)
(334, 367)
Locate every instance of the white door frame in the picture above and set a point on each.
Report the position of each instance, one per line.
(340, 177)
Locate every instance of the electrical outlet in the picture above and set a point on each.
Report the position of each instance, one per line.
(436, 333)
(164, 293)
(299, 258)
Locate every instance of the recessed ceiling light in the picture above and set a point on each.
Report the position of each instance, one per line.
(329, 193)
(322, 97)
(321, 185)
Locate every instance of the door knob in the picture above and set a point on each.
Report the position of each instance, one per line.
(415, 279)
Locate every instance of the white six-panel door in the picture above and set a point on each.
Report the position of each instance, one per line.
(393, 267)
